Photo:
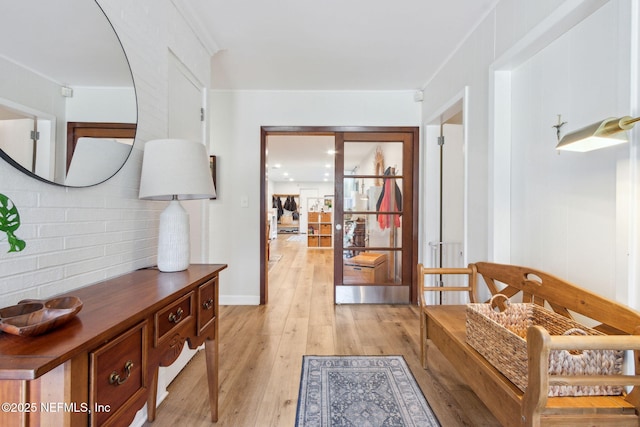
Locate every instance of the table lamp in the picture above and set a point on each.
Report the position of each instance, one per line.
(175, 169)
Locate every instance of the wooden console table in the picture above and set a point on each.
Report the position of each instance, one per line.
(101, 367)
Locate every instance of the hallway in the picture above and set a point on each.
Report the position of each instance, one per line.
(261, 349)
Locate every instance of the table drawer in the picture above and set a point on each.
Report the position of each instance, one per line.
(207, 305)
(118, 374)
(173, 317)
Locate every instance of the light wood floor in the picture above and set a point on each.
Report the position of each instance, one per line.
(261, 349)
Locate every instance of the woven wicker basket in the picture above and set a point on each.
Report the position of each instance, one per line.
(500, 338)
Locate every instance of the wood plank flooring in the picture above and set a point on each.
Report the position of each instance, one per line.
(261, 349)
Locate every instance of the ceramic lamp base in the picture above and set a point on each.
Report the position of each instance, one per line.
(173, 238)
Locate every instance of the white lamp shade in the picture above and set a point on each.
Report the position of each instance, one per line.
(96, 160)
(175, 167)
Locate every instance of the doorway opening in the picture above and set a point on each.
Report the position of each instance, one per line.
(319, 216)
(298, 172)
(445, 163)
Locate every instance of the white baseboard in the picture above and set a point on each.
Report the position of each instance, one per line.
(239, 300)
(141, 418)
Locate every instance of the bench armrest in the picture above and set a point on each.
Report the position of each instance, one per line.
(539, 346)
(471, 271)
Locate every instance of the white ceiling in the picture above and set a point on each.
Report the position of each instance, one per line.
(300, 158)
(333, 44)
(275, 45)
(328, 45)
(307, 158)
(271, 45)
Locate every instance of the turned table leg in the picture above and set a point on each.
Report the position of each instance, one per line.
(211, 353)
(153, 395)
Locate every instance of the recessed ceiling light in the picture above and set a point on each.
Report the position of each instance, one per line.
(290, 179)
(277, 166)
(331, 152)
(285, 173)
(327, 165)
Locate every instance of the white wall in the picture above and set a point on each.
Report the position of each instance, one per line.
(468, 67)
(27, 88)
(572, 215)
(76, 237)
(570, 230)
(79, 236)
(90, 104)
(236, 120)
(30, 92)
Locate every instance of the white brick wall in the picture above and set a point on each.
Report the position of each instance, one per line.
(76, 237)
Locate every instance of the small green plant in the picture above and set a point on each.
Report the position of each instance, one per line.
(9, 223)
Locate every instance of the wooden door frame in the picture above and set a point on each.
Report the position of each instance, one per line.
(77, 130)
(266, 131)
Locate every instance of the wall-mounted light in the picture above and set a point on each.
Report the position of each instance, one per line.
(606, 133)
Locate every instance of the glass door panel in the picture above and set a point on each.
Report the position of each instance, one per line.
(372, 216)
(373, 230)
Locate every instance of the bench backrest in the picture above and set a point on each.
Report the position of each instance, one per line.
(559, 295)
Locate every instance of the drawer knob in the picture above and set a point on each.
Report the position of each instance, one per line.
(115, 378)
(208, 304)
(175, 318)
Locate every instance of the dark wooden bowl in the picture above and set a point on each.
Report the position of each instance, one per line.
(36, 317)
(20, 309)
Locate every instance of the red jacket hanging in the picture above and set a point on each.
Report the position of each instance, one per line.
(389, 201)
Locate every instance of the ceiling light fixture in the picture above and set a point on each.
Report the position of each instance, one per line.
(606, 133)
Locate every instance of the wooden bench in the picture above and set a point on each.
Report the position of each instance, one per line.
(443, 326)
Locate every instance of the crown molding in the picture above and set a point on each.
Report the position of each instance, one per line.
(195, 23)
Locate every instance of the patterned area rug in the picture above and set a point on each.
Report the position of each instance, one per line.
(360, 391)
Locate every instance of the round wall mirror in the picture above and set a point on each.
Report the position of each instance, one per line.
(68, 109)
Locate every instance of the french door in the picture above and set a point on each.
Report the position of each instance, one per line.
(375, 249)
